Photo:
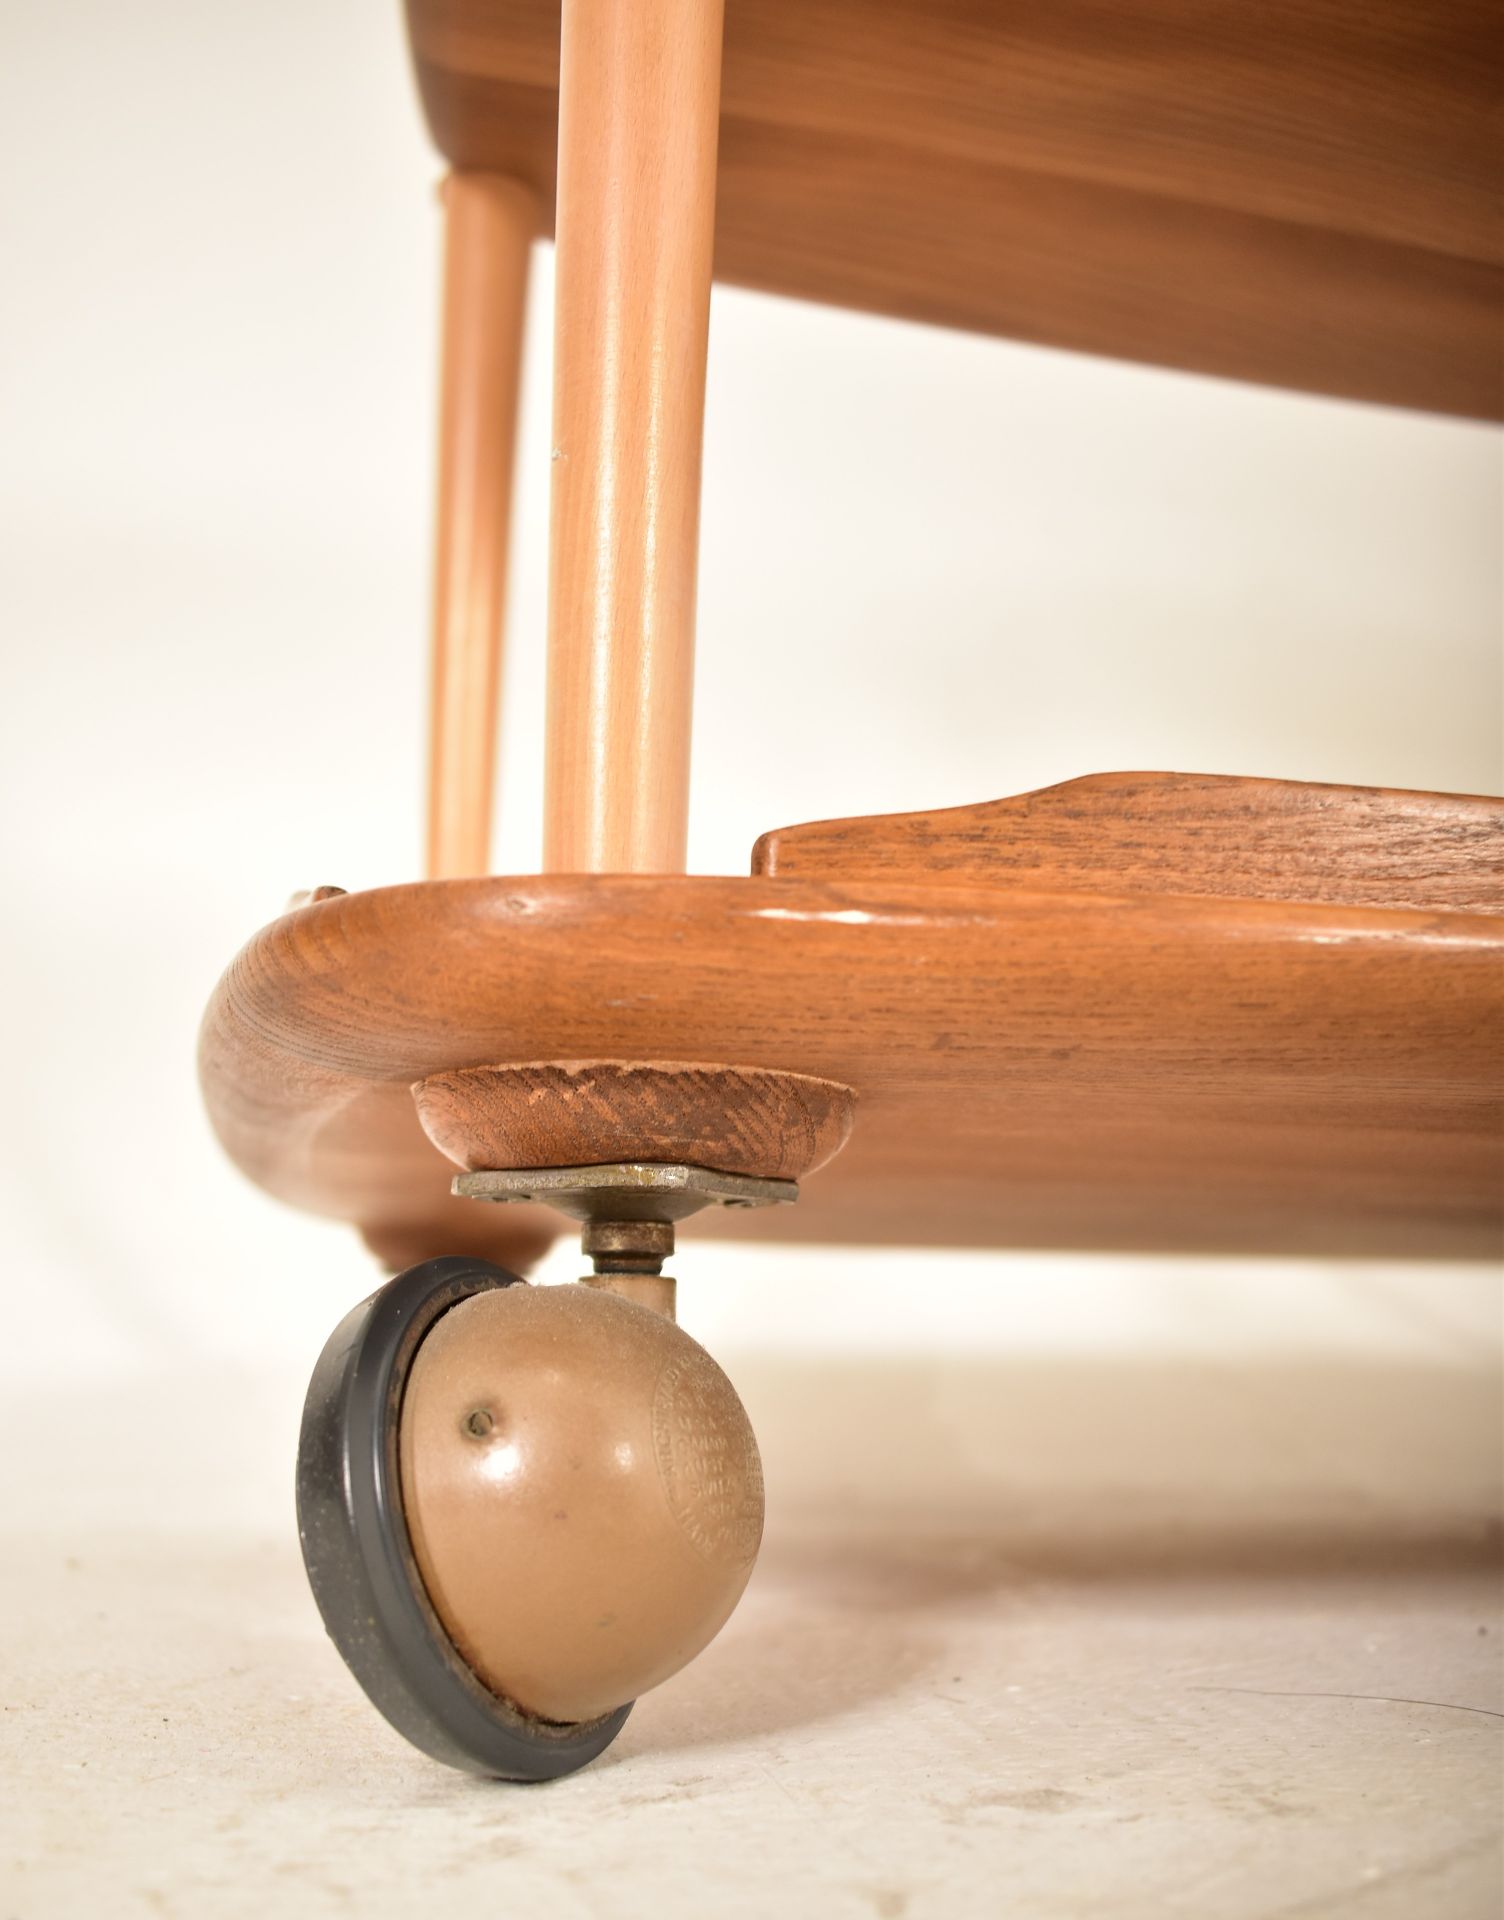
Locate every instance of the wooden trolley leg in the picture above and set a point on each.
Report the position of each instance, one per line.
(639, 102)
(490, 224)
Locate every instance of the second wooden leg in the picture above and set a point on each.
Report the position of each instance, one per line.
(490, 224)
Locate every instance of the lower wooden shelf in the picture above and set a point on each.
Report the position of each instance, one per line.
(1033, 1067)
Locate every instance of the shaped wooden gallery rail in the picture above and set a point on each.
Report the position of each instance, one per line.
(1213, 834)
(1034, 1063)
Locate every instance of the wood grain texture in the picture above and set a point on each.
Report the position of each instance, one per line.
(489, 226)
(586, 1113)
(1302, 195)
(1032, 1068)
(636, 221)
(1196, 834)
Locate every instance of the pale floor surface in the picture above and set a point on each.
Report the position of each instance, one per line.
(1076, 1638)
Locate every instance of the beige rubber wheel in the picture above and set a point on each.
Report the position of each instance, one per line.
(582, 1491)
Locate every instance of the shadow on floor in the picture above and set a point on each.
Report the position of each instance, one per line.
(936, 1476)
(903, 1492)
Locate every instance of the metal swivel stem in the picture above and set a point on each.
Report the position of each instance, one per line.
(627, 1212)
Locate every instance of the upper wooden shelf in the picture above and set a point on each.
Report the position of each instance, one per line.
(1304, 195)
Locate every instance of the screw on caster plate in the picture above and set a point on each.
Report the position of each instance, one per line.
(522, 1506)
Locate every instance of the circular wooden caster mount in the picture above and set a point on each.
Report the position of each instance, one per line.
(582, 1113)
(520, 1507)
(630, 1148)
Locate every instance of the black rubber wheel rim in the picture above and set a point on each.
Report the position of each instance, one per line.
(360, 1559)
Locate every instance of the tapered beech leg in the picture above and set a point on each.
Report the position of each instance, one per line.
(638, 112)
(490, 223)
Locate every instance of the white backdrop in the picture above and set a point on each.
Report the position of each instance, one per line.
(935, 569)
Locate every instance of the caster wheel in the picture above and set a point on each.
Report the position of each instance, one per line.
(520, 1507)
